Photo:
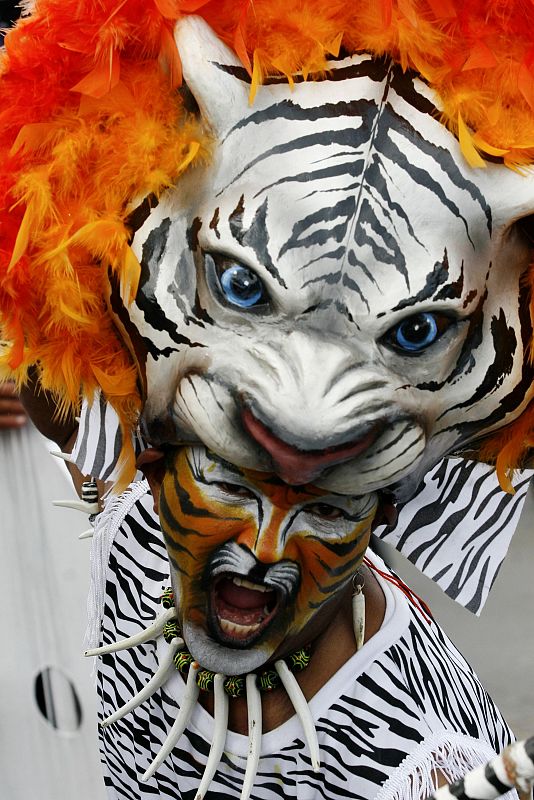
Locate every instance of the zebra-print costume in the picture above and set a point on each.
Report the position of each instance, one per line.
(405, 704)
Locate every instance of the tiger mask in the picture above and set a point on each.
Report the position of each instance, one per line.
(336, 296)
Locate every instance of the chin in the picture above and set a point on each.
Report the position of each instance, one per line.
(222, 658)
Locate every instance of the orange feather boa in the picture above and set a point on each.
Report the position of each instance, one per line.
(90, 122)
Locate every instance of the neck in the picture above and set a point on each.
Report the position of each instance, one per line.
(333, 646)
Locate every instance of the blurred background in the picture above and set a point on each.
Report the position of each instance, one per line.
(9, 12)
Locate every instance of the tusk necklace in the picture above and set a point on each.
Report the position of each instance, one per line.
(224, 687)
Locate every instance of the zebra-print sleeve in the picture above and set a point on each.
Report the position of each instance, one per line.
(99, 441)
(457, 529)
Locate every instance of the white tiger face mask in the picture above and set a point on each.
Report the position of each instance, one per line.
(336, 296)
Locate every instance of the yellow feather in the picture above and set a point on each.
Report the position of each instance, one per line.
(471, 154)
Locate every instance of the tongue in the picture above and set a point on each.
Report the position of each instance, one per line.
(241, 597)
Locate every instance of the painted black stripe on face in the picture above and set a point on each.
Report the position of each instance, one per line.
(354, 262)
(454, 289)
(379, 188)
(153, 251)
(403, 83)
(420, 175)
(139, 215)
(341, 569)
(355, 138)
(255, 236)
(515, 398)
(373, 68)
(383, 464)
(386, 252)
(504, 347)
(434, 279)
(287, 109)
(139, 343)
(443, 159)
(322, 175)
(343, 211)
(214, 223)
(341, 548)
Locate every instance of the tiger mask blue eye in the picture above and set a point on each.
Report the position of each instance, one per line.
(239, 285)
(418, 332)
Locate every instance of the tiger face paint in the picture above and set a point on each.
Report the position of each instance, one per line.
(254, 562)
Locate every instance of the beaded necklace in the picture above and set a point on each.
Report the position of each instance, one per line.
(234, 685)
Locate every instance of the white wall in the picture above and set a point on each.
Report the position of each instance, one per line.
(44, 575)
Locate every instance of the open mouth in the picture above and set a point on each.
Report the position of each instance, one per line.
(240, 610)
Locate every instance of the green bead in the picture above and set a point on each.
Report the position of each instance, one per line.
(268, 680)
(205, 680)
(182, 661)
(167, 598)
(235, 686)
(171, 630)
(299, 660)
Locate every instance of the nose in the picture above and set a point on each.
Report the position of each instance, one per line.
(295, 466)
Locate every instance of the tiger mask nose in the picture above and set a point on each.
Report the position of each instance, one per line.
(297, 466)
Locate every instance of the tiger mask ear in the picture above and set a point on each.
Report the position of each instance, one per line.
(212, 73)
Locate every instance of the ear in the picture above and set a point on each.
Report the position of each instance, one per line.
(509, 192)
(151, 462)
(221, 95)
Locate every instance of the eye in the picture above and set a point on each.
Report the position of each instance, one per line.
(241, 286)
(414, 334)
(325, 511)
(234, 489)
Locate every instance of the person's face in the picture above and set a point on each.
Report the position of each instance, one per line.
(255, 564)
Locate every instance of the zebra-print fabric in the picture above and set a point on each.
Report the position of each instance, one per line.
(405, 703)
(457, 528)
(99, 441)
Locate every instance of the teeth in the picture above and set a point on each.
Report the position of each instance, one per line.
(256, 587)
(233, 628)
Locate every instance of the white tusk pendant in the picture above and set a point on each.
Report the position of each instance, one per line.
(65, 456)
(87, 534)
(301, 707)
(184, 715)
(358, 616)
(145, 635)
(157, 680)
(220, 713)
(78, 505)
(254, 712)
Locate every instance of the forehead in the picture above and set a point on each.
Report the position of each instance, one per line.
(354, 173)
(206, 468)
